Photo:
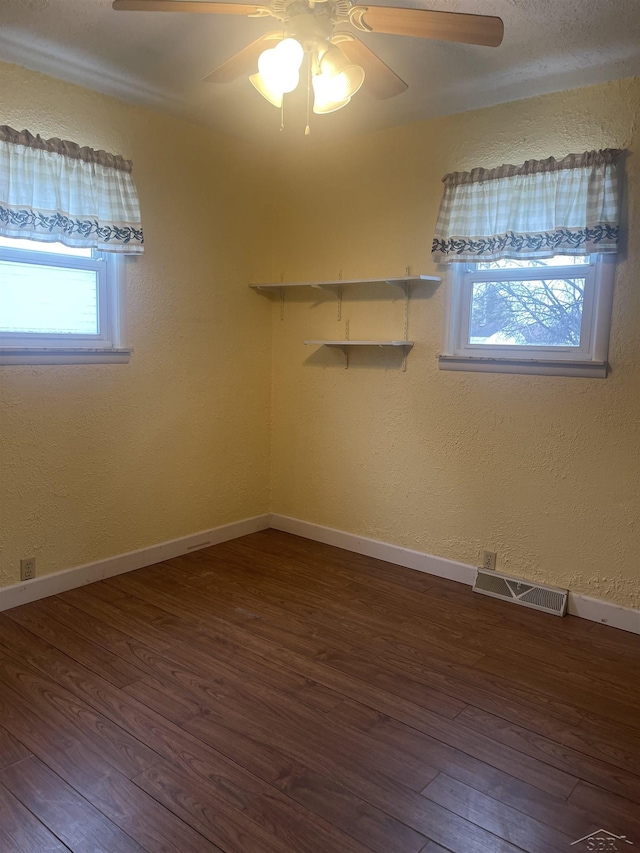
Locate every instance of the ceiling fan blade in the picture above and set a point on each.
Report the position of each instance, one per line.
(422, 23)
(379, 79)
(187, 6)
(244, 61)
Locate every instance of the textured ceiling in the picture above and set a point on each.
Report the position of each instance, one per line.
(160, 59)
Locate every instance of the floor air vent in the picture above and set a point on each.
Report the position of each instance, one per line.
(547, 598)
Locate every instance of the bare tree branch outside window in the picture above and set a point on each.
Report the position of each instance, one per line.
(540, 312)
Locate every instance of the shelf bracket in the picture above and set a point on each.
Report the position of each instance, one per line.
(345, 349)
(404, 286)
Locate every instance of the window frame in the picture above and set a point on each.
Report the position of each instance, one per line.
(108, 346)
(589, 359)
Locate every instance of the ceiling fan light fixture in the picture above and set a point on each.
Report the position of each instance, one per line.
(278, 70)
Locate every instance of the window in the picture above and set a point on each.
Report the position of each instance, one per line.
(59, 304)
(548, 315)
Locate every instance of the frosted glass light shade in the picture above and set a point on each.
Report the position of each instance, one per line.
(326, 95)
(337, 82)
(278, 70)
(273, 96)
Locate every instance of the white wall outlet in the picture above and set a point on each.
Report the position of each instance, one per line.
(489, 560)
(27, 569)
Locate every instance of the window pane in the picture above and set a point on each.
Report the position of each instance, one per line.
(527, 313)
(517, 264)
(48, 300)
(53, 248)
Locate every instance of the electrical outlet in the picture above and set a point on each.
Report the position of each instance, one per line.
(489, 560)
(27, 569)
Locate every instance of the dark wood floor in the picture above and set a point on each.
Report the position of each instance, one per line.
(272, 694)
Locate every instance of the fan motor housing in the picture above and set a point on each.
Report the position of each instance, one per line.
(313, 31)
(337, 11)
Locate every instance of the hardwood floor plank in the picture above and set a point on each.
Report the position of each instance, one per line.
(555, 684)
(23, 832)
(173, 705)
(13, 635)
(348, 563)
(87, 772)
(11, 750)
(115, 616)
(103, 591)
(154, 827)
(583, 656)
(472, 687)
(33, 617)
(113, 641)
(617, 813)
(554, 754)
(207, 812)
(50, 741)
(236, 831)
(504, 821)
(124, 752)
(63, 811)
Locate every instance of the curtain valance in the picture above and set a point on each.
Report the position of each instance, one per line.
(537, 210)
(55, 191)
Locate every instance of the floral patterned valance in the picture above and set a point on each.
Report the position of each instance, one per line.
(55, 191)
(537, 210)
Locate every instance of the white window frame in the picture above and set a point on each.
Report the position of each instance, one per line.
(108, 346)
(590, 359)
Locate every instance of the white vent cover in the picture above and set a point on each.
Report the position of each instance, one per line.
(551, 599)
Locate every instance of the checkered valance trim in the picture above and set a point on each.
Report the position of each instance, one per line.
(540, 209)
(55, 191)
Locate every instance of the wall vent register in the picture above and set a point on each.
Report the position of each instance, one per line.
(549, 599)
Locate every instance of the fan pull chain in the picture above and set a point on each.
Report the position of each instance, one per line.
(307, 129)
(282, 115)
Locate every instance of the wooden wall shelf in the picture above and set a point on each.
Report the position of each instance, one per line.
(400, 281)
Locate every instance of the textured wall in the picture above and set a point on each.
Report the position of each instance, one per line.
(96, 460)
(543, 470)
(100, 459)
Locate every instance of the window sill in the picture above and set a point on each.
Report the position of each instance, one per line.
(477, 364)
(64, 355)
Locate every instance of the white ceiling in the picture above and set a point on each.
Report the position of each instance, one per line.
(159, 59)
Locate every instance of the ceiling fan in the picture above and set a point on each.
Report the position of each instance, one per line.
(338, 61)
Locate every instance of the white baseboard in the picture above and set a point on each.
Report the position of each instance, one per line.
(605, 612)
(593, 609)
(417, 560)
(22, 593)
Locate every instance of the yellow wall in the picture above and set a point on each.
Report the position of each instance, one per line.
(218, 403)
(97, 460)
(543, 470)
